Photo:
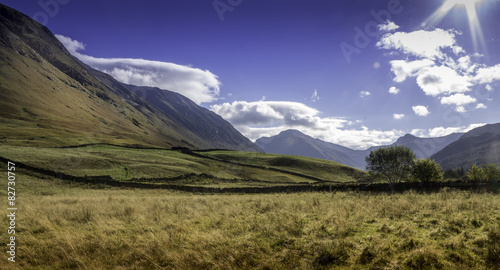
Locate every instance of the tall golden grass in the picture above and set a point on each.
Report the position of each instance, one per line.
(64, 226)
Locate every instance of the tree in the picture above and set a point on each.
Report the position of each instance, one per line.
(475, 173)
(394, 163)
(491, 172)
(427, 170)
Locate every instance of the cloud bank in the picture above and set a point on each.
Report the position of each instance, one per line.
(424, 44)
(197, 84)
(441, 68)
(268, 118)
(442, 131)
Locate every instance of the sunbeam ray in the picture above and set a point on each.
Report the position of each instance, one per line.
(474, 24)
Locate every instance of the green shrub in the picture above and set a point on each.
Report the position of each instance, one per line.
(491, 172)
(475, 173)
(427, 170)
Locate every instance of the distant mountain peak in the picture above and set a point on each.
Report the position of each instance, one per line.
(294, 142)
(291, 131)
(408, 135)
(406, 138)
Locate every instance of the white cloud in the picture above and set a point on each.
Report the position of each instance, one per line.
(268, 118)
(364, 94)
(393, 90)
(458, 50)
(389, 26)
(442, 131)
(435, 81)
(488, 74)
(398, 116)
(315, 96)
(71, 45)
(481, 106)
(424, 44)
(268, 112)
(420, 110)
(458, 99)
(461, 109)
(403, 69)
(465, 64)
(441, 67)
(197, 84)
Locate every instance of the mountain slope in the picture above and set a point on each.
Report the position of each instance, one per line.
(426, 147)
(480, 145)
(49, 98)
(293, 142)
(207, 125)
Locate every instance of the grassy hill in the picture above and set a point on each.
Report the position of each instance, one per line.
(49, 98)
(211, 169)
(320, 168)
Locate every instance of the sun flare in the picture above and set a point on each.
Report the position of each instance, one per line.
(470, 7)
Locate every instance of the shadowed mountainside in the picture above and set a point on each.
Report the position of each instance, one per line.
(49, 98)
(480, 145)
(294, 142)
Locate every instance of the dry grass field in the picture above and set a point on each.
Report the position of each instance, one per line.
(65, 225)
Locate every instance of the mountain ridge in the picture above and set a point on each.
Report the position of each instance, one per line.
(480, 145)
(286, 143)
(50, 98)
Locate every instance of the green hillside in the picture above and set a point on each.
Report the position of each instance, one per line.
(320, 168)
(161, 166)
(49, 98)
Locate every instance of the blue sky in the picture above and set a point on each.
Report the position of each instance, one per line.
(323, 67)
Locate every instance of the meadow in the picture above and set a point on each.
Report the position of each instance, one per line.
(64, 225)
(209, 169)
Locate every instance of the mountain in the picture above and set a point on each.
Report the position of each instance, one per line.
(293, 142)
(480, 145)
(426, 147)
(50, 98)
(207, 125)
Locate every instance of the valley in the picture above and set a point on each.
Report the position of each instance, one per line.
(113, 175)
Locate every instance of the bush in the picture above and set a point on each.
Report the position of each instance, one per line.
(393, 163)
(427, 170)
(475, 173)
(491, 172)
